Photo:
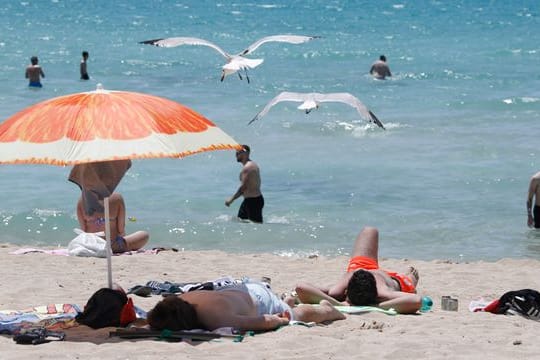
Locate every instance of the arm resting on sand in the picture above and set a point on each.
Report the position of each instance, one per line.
(403, 303)
(310, 294)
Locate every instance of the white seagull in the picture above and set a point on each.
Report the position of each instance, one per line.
(311, 101)
(234, 62)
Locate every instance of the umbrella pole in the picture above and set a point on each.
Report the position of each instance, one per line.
(108, 245)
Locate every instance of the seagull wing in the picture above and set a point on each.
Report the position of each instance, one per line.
(292, 39)
(177, 41)
(351, 100)
(284, 96)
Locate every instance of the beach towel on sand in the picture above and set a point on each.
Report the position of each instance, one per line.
(52, 316)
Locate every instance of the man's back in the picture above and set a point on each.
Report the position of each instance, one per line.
(217, 309)
(380, 69)
(33, 73)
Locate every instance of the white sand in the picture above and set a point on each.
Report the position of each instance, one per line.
(39, 279)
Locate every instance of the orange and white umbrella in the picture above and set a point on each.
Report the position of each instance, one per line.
(102, 125)
(106, 125)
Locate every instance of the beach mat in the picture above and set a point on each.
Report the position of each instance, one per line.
(192, 335)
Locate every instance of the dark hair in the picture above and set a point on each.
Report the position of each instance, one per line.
(173, 313)
(246, 148)
(85, 53)
(34, 60)
(382, 58)
(104, 308)
(362, 288)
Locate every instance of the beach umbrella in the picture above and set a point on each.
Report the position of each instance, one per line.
(107, 126)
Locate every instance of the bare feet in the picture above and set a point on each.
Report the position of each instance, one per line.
(413, 274)
(317, 313)
(291, 298)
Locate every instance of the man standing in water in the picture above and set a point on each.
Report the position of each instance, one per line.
(34, 72)
(84, 71)
(250, 188)
(533, 216)
(380, 69)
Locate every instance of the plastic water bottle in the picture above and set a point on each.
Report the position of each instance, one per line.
(427, 303)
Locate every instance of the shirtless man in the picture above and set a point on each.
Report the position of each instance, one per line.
(246, 306)
(83, 69)
(120, 242)
(533, 216)
(365, 284)
(380, 69)
(33, 73)
(250, 188)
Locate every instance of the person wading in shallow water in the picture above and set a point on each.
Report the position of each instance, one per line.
(533, 215)
(250, 188)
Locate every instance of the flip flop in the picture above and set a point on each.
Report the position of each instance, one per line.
(140, 290)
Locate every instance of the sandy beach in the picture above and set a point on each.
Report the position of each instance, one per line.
(38, 279)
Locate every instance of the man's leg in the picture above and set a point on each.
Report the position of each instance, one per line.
(243, 211)
(317, 313)
(367, 243)
(536, 216)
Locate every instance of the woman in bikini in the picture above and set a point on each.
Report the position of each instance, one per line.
(120, 242)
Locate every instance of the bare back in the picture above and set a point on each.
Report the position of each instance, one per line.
(34, 72)
(380, 70)
(224, 308)
(96, 221)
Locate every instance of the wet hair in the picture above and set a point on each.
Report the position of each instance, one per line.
(382, 58)
(85, 53)
(173, 313)
(362, 288)
(34, 60)
(246, 148)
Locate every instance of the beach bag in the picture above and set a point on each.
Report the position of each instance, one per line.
(525, 302)
(87, 244)
(107, 307)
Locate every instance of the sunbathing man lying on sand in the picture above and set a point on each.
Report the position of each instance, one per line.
(365, 284)
(246, 306)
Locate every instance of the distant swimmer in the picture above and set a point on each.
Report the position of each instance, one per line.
(250, 188)
(380, 69)
(84, 71)
(311, 101)
(237, 62)
(533, 215)
(34, 72)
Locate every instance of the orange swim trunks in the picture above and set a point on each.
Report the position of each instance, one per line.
(367, 263)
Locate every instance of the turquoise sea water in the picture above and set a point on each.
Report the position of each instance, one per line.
(448, 179)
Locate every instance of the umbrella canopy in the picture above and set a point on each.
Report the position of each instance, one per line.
(97, 181)
(104, 129)
(106, 125)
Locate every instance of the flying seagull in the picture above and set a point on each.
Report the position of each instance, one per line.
(311, 101)
(234, 62)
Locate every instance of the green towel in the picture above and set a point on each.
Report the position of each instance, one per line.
(363, 309)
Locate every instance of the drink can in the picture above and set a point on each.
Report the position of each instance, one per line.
(449, 303)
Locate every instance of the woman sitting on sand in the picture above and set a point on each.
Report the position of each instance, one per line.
(120, 242)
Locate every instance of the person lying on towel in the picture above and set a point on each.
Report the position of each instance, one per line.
(246, 306)
(365, 284)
